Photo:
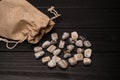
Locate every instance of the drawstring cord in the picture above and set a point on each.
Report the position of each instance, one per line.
(53, 11)
(11, 42)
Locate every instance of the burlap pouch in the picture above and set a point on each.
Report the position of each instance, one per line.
(20, 21)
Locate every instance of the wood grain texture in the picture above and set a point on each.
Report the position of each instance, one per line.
(97, 20)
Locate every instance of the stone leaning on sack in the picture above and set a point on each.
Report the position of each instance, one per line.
(54, 36)
(46, 44)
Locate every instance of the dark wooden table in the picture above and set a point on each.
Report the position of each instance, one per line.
(98, 21)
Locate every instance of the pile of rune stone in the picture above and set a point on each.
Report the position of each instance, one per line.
(70, 50)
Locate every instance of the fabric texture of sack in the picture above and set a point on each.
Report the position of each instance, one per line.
(20, 21)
